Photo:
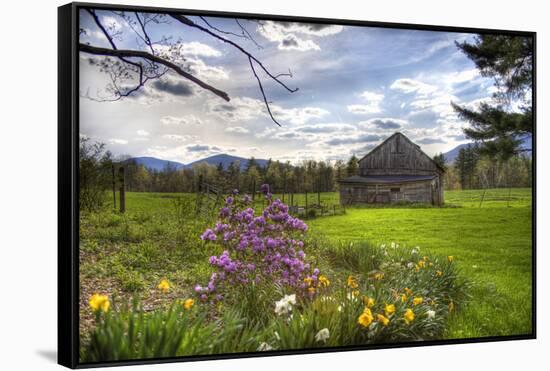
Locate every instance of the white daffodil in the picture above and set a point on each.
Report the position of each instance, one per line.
(284, 306)
(264, 346)
(322, 335)
(430, 314)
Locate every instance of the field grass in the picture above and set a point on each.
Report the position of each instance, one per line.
(491, 243)
(128, 254)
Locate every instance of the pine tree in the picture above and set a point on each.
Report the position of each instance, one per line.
(352, 167)
(509, 61)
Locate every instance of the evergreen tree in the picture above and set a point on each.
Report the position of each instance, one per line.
(509, 61)
(440, 160)
(352, 167)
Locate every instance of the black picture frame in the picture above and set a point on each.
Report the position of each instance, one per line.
(68, 212)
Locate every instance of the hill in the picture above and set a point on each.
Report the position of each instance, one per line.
(157, 164)
(451, 155)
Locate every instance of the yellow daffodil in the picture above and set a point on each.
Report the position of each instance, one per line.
(352, 282)
(408, 316)
(408, 291)
(403, 298)
(188, 304)
(426, 258)
(422, 264)
(164, 286)
(383, 319)
(355, 293)
(378, 276)
(369, 302)
(366, 318)
(99, 302)
(438, 273)
(417, 268)
(323, 281)
(308, 281)
(389, 309)
(430, 264)
(451, 306)
(450, 258)
(311, 290)
(418, 300)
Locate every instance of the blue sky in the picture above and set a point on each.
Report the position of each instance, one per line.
(357, 85)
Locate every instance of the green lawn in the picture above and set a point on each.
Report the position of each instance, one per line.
(491, 244)
(155, 239)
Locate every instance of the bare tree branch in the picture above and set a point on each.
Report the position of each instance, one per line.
(153, 58)
(262, 90)
(188, 22)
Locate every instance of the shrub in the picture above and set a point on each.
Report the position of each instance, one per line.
(258, 250)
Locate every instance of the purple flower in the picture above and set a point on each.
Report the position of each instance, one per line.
(264, 188)
(208, 235)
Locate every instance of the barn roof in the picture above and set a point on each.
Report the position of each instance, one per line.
(386, 179)
(397, 133)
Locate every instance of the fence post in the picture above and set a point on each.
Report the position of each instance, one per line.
(114, 185)
(121, 190)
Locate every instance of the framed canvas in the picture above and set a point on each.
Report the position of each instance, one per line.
(243, 185)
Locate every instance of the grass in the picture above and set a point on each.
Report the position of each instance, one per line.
(492, 245)
(157, 238)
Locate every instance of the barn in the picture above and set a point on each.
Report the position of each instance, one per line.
(396, 170)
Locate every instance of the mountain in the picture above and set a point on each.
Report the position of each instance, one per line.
(226, 160)
(155, 163)
(450, 156)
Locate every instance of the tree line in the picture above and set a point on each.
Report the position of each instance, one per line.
(473, 169)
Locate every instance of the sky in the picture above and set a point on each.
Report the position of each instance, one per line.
(357, 86)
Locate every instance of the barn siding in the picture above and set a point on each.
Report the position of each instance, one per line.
(408, 192)
(395, 156)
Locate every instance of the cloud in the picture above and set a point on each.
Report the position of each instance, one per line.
(383, 124)
(202, 70)
(362, 109)
(325, 128)
(196, 48)
(142, 133)
(198, 148)
(430, 141)
(184, 120)
(244, 109)
(187, 56)
(118, 141)
(354, 139)
(178, 88)
(413, 86)
(236, 129)
(372, 105)
(112, 23)
(178, 137)
(286, 34)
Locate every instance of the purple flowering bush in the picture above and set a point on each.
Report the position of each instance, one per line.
(258, 249)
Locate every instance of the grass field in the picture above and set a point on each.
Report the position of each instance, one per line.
(491, 243)
(130, 253)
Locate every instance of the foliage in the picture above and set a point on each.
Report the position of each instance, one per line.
(509, 61)
(491, 244)
(405, 302)
(258, 249)
(94, 168)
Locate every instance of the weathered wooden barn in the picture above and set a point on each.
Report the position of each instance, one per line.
(396, 170)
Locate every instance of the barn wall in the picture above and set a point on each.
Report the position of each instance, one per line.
(397, 156)
(357, 193)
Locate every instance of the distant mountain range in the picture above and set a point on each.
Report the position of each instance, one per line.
(226, 160)
(453, 153)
